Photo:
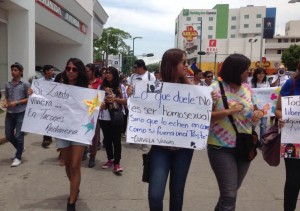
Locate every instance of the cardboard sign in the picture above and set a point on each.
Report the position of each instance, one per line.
(169, 114)
(62, 111)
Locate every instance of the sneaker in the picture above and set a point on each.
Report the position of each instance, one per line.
(117, 168)
(145, 147)
(16, 162)
(108, 164)
(46, 143)
(91, 163)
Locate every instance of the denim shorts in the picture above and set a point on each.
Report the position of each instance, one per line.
(62, 143)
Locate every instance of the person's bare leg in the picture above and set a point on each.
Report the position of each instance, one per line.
(66, 154)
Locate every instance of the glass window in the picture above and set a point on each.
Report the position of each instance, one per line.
(199, 18)
(285, 40)
(198, 37)
(258, 16)
(279, 40)
(246, 16)
(198, 27)
(210, 28)
(233, 27)
(297, 40)
(211, 18)
(233, 18)
(246, 25)
(209, 36)
(279, 51)
(244, 35)
(258, 25)
(188, 18)
(232, 36)
(292, 40)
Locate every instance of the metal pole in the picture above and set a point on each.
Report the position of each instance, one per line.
(251, 51)
(215, 63)
(261, 42)
(200, 44)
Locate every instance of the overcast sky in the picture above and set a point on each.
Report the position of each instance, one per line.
(154, 20)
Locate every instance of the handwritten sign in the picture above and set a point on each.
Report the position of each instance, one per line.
(62, 111)
(290, 140)
(168, 114)
(267, 99)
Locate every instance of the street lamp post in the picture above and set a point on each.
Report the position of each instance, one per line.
(251, 41)
(133, 48)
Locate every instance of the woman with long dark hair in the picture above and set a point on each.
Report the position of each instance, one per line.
(111, 132)
(72, 152)
(230, 171)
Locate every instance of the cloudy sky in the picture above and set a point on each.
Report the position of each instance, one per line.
(154, 20)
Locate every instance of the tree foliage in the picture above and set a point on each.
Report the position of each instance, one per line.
(290, 57)
(111, 42)
(153, 67)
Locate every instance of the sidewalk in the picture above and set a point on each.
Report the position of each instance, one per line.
(40, 183)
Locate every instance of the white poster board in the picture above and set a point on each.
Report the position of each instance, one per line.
(267, 99)
(62, 111)
(290, 133)
(169, 114)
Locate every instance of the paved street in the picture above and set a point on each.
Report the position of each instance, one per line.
(40, 182)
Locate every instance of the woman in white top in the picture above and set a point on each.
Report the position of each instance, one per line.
(259, 80)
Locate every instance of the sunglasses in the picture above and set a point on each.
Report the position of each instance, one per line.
(184, 62)
(74, 69)
(209, 76)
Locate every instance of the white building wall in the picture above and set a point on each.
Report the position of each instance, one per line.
(292, 28)
(253, 22)
(21, 39)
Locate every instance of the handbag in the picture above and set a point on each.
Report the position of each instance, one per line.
(116, 116)
(245, 143)
(146, 163)
(271, 145)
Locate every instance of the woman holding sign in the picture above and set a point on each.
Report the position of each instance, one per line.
(229, 170)
(292, 165)
(71, 151)
(165, 160)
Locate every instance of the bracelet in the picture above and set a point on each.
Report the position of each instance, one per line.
(17, 103)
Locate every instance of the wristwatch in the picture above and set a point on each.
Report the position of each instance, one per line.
(17, 103)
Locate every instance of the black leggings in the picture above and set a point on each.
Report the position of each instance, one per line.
(292, 183)
(112, 136)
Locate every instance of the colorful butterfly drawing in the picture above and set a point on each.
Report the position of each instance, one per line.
(92, 104)
(273, 96)
(89, 126)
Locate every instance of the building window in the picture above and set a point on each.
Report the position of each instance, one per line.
(279, 51)
(211, 18)
(285, 40)
(297, 40)
(292, 40)
(246, 26)
(198, 37)
(233, 27)
(246, 16)
(232, 36)
(244, 35)
(188, 18)
(258, 16)
(279, 40)
(209, 36)
(199, 18)
(210, 28)
(233, 18)
(258, 25)
(198, 27)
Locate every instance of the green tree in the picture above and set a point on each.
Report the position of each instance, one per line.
(290, 57)
(153, 67)
(111, 42)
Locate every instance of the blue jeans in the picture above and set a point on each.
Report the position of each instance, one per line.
(163, 161)
(13, 121)
(230, 174)
(263, 126)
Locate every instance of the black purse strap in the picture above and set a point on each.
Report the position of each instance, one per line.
(224, 99)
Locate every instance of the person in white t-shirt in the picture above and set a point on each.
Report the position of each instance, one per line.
(259, 80)
(141, 73)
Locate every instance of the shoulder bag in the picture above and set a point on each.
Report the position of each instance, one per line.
(245, 143)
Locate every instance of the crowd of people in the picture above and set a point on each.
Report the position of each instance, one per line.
(163, 161)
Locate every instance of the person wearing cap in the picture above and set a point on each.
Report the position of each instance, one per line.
(15, 101)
